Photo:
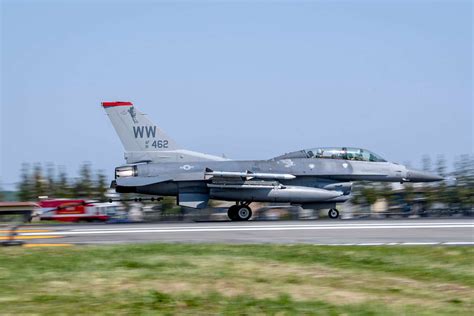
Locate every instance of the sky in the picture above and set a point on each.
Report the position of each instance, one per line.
(250, 80)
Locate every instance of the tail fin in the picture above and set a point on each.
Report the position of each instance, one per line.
(135, 130)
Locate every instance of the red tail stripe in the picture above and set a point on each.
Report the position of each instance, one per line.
(116, 103)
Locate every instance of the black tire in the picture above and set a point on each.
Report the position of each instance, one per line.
(231, 212)
(243, 213)
(333, 213)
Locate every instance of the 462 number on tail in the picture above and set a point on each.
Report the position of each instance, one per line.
(160, 144)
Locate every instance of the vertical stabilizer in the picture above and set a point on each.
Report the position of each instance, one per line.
(135, 130)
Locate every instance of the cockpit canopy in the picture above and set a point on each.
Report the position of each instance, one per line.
(346, 153)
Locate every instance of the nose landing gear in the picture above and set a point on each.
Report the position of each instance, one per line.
(333, 213)
(239, 212)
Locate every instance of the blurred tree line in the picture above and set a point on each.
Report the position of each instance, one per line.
(53, 181)
(456, 191)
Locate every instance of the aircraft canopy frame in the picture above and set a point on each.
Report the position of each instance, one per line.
(344, 153)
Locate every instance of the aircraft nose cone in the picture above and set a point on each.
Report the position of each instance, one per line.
(421, 176)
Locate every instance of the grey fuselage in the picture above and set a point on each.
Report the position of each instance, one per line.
(173, 179)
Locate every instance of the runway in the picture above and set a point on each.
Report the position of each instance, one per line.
(324, 232)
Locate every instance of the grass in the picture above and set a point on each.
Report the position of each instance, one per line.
(237, 279)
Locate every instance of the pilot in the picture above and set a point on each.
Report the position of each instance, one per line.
(359, 155)
(319, 153)
(344, 153)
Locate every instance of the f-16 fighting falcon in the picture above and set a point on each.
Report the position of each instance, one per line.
(316, 178)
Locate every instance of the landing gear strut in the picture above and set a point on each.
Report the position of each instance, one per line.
(239, 212)
(333, 213)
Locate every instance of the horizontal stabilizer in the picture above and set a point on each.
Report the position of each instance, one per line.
(194, 200)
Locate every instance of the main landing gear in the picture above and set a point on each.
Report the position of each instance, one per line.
(240, 212)
(333, 213)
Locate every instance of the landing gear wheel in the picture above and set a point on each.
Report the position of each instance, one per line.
(232, 212)
(239, 213)
(333, 213)
(243, 213)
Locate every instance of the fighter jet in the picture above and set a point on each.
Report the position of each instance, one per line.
(316, 178)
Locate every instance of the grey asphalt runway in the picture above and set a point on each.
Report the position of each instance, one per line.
(326, 232)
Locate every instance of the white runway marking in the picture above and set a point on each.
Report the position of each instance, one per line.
(231, 228)
(282, 226)
(420, 243)
(459, 243)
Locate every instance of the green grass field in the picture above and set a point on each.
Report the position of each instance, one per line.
(237, 279)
